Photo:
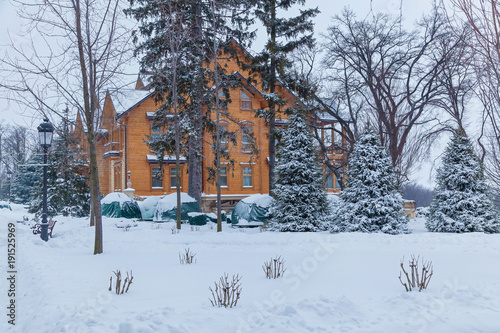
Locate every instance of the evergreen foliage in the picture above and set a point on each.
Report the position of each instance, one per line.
(25, 180)
(68, 191)
(461, 202)
(284, 35)
(371, 202)
(176, 42)
(300, 201)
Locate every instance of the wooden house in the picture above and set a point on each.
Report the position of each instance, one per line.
(125, 160)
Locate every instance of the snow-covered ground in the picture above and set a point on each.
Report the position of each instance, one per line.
(344, 282)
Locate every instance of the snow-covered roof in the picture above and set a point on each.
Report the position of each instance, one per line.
(125, 100)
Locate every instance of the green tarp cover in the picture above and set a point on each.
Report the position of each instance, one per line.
(202, 218)
(120, 205)
(251, 211)
(166, 209)
(5, 205)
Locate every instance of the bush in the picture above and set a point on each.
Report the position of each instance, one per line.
(420, 281)
(226, 293)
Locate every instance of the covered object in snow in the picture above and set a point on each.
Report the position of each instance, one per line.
(148, 207)
(120, 205)
(166, 208)
(5, 205)
(251, 211)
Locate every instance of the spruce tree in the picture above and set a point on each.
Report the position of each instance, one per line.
(300, 201)
(26, 179)
(461, 202)
(371, 202)
(284, 35)
(193, 21)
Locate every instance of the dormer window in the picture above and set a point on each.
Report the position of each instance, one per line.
(246, 102)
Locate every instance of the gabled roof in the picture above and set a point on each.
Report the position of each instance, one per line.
(127, 99)
(248, 86)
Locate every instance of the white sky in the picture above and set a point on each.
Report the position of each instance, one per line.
(411, 10)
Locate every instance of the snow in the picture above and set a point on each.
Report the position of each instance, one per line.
(169, 202)
(116, 197)
(210, 215)
(148, 205)
(263, 200)
(345, 282)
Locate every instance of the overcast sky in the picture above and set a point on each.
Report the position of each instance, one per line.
(411, 10)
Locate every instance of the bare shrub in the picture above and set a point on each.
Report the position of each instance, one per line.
(119, 289)
(274, 268)
(414, 279)
(187, 257)
(226, 293)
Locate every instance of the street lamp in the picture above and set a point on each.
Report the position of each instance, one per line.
(45, 131)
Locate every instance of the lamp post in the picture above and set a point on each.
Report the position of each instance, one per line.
(45, 131)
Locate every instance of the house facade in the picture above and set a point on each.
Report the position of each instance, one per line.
(125, 159)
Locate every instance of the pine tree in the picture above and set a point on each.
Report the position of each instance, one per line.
(300, 201)
(371, 202)
(194, 40)
(284, 35)
(26, 179)
(461, 202)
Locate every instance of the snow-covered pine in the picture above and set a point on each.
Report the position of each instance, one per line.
(461, 202)
(300, 201)
(25, 180)
(371, 202)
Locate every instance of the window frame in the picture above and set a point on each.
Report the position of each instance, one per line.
(153, 178)
(156, 130)
(173, 184)
(245, 101)
(223, 175)
(247, 176)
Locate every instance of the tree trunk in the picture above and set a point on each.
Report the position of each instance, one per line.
(272, 106)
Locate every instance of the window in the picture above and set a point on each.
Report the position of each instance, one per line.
(156, 178)
(329, 181)
(337, 136)
(247, 177)
(173, 178)
(246, 139)
(155, 131)
(332, 182)
(327, 138)
(246, 102)
(338, 180)
(223, 177)
(223, 134)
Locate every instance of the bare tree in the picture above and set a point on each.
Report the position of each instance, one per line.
(387, 77)
(75, 49)
(456, 79)
(483, 18)
(307, 80)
